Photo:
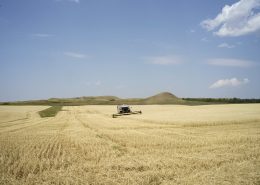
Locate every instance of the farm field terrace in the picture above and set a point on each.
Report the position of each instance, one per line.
(167, 144)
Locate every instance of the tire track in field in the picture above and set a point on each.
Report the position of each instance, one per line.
(144, 124)
(24, 117)
(19, 123)
(10, 129)
(27, 120)
(13, 120)
(7, 123)
(50, 147)
(15, 124)
(51, 152)
(105, 120)
(34, 123)
(139, 130)
(116, 145)
(129, 146)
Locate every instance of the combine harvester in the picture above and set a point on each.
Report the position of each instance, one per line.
(125, 110)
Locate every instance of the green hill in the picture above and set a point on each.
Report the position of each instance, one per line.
(161, 98)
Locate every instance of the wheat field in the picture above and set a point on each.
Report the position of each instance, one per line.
(167, 144)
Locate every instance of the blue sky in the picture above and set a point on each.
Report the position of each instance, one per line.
(129, 48)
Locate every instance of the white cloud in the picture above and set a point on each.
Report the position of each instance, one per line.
(121, 86)
(94, 83)
(42, 35)
(233, 82)
(75, 55)
(230, 62)
(74, 1)
(164, 60)
(98, 83)
(204, 39)
(237, 19)
(226, 45)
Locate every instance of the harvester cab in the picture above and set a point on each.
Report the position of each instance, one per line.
(121, 109)
(125, 110)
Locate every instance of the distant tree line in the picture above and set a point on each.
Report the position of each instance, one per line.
(223, 100)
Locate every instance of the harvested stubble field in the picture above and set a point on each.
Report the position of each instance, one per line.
(167, 144)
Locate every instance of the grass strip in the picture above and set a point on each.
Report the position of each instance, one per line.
(50, 112)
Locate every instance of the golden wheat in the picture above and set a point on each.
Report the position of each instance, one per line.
(167, 144)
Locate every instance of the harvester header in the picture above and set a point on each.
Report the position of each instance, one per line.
(125, 110)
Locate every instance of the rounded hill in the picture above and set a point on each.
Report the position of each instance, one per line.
(163, 98)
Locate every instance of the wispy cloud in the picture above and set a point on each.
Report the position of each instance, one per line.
(164, 60)
(204, 39)
(94, 83)
(42, 35)
(233, 82)
(98, 83)
(238, 19)
(230, 62)
(226, 45)
(74, 1)
(120, 86)
(75, 55)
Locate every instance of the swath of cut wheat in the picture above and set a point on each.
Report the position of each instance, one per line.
(167, 144)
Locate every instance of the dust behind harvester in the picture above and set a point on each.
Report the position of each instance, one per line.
(125, 110)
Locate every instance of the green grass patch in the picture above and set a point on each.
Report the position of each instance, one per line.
(50, 112)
